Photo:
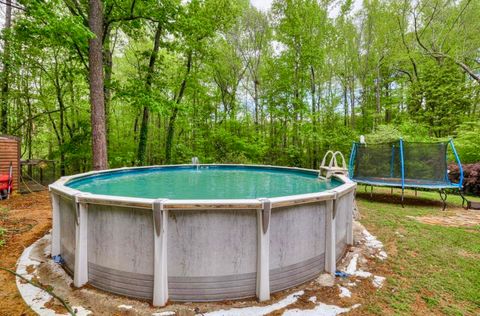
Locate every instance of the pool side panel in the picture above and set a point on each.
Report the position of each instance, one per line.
(136, 285)
(67, 231)
(344, 210)
(120, 252)
(297, 244)
(211, 254)
(340, 228)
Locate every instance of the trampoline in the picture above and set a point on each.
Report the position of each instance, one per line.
(405, 165)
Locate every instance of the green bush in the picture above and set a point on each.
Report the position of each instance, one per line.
(2, 234)
(467, 142)
(408, 130)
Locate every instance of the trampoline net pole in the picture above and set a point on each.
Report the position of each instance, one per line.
(402, 168)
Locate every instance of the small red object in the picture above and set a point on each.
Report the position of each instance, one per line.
(5, 182)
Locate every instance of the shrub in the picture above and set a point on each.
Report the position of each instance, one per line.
(2, 233)
(408, 130)
(471, 177)
(467, 142)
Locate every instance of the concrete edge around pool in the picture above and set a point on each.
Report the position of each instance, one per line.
(214, 249)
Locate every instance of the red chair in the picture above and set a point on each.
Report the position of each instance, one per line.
(6, 183)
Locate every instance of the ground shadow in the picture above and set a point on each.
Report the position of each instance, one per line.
(397, 199)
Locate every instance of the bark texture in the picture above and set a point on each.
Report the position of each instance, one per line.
(97, 99)
(142, 145)
(6, 66)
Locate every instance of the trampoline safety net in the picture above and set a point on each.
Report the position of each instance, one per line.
(424, 164)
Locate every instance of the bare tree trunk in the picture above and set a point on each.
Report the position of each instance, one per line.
(173, 116)
(142, 145)
(29, 128)
(6, 66)
(352, 102)
(388, 109)
(61, 138)
(255, 99)
(97, 100)
(345, 105)
(108, 65)
(377, 98)
(314, 117)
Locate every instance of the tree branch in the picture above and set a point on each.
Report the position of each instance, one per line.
(14, 6)
(34, 117)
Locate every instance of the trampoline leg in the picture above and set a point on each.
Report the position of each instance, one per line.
(391, 191)
(443, 196)
(403, 193)
(464, 200)
(371, 191)
(415, 192)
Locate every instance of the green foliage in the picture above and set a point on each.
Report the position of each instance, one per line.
(467, 142)
(408, 130)
(2, 233)
(384, 134)
(232, 83)
(443, 99)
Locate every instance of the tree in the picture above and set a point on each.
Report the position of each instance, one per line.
(6, 66)
(222, 81)
(97, 98)
(142, 144)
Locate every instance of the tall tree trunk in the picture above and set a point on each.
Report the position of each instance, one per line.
(388, 108)
(345, 105)
(108, 69)
(314, 117)
(173, 116)
(142, 145)
(377, 99)
(296, 105)
(352, 102)
(255, 99)
(97, 100)
(29, 131)
(61, 138)
(6, 66)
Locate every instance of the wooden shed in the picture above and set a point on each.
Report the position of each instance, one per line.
(10, 153)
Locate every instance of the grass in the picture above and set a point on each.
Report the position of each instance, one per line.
(432, 269)
(3, 231)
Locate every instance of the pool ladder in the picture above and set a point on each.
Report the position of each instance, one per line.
(327, 171)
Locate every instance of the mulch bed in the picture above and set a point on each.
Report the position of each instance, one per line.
(25, 218)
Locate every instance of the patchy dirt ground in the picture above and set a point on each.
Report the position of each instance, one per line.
(340, 295)
(453, 218)
(26, 218)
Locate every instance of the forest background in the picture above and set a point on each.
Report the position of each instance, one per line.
(163, 81)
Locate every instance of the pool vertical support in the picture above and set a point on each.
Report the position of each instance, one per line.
(330, 236)
(55, 250)
(350, 219)
(160, 275)
(263, 250)
(80, 276)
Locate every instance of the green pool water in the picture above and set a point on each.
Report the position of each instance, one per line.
(212, 182)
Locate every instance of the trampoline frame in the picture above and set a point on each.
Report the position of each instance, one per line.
(407, 183)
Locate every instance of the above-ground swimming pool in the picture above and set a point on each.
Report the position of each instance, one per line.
(200, 232)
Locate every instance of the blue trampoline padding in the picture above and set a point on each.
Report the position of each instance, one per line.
(408, 184)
